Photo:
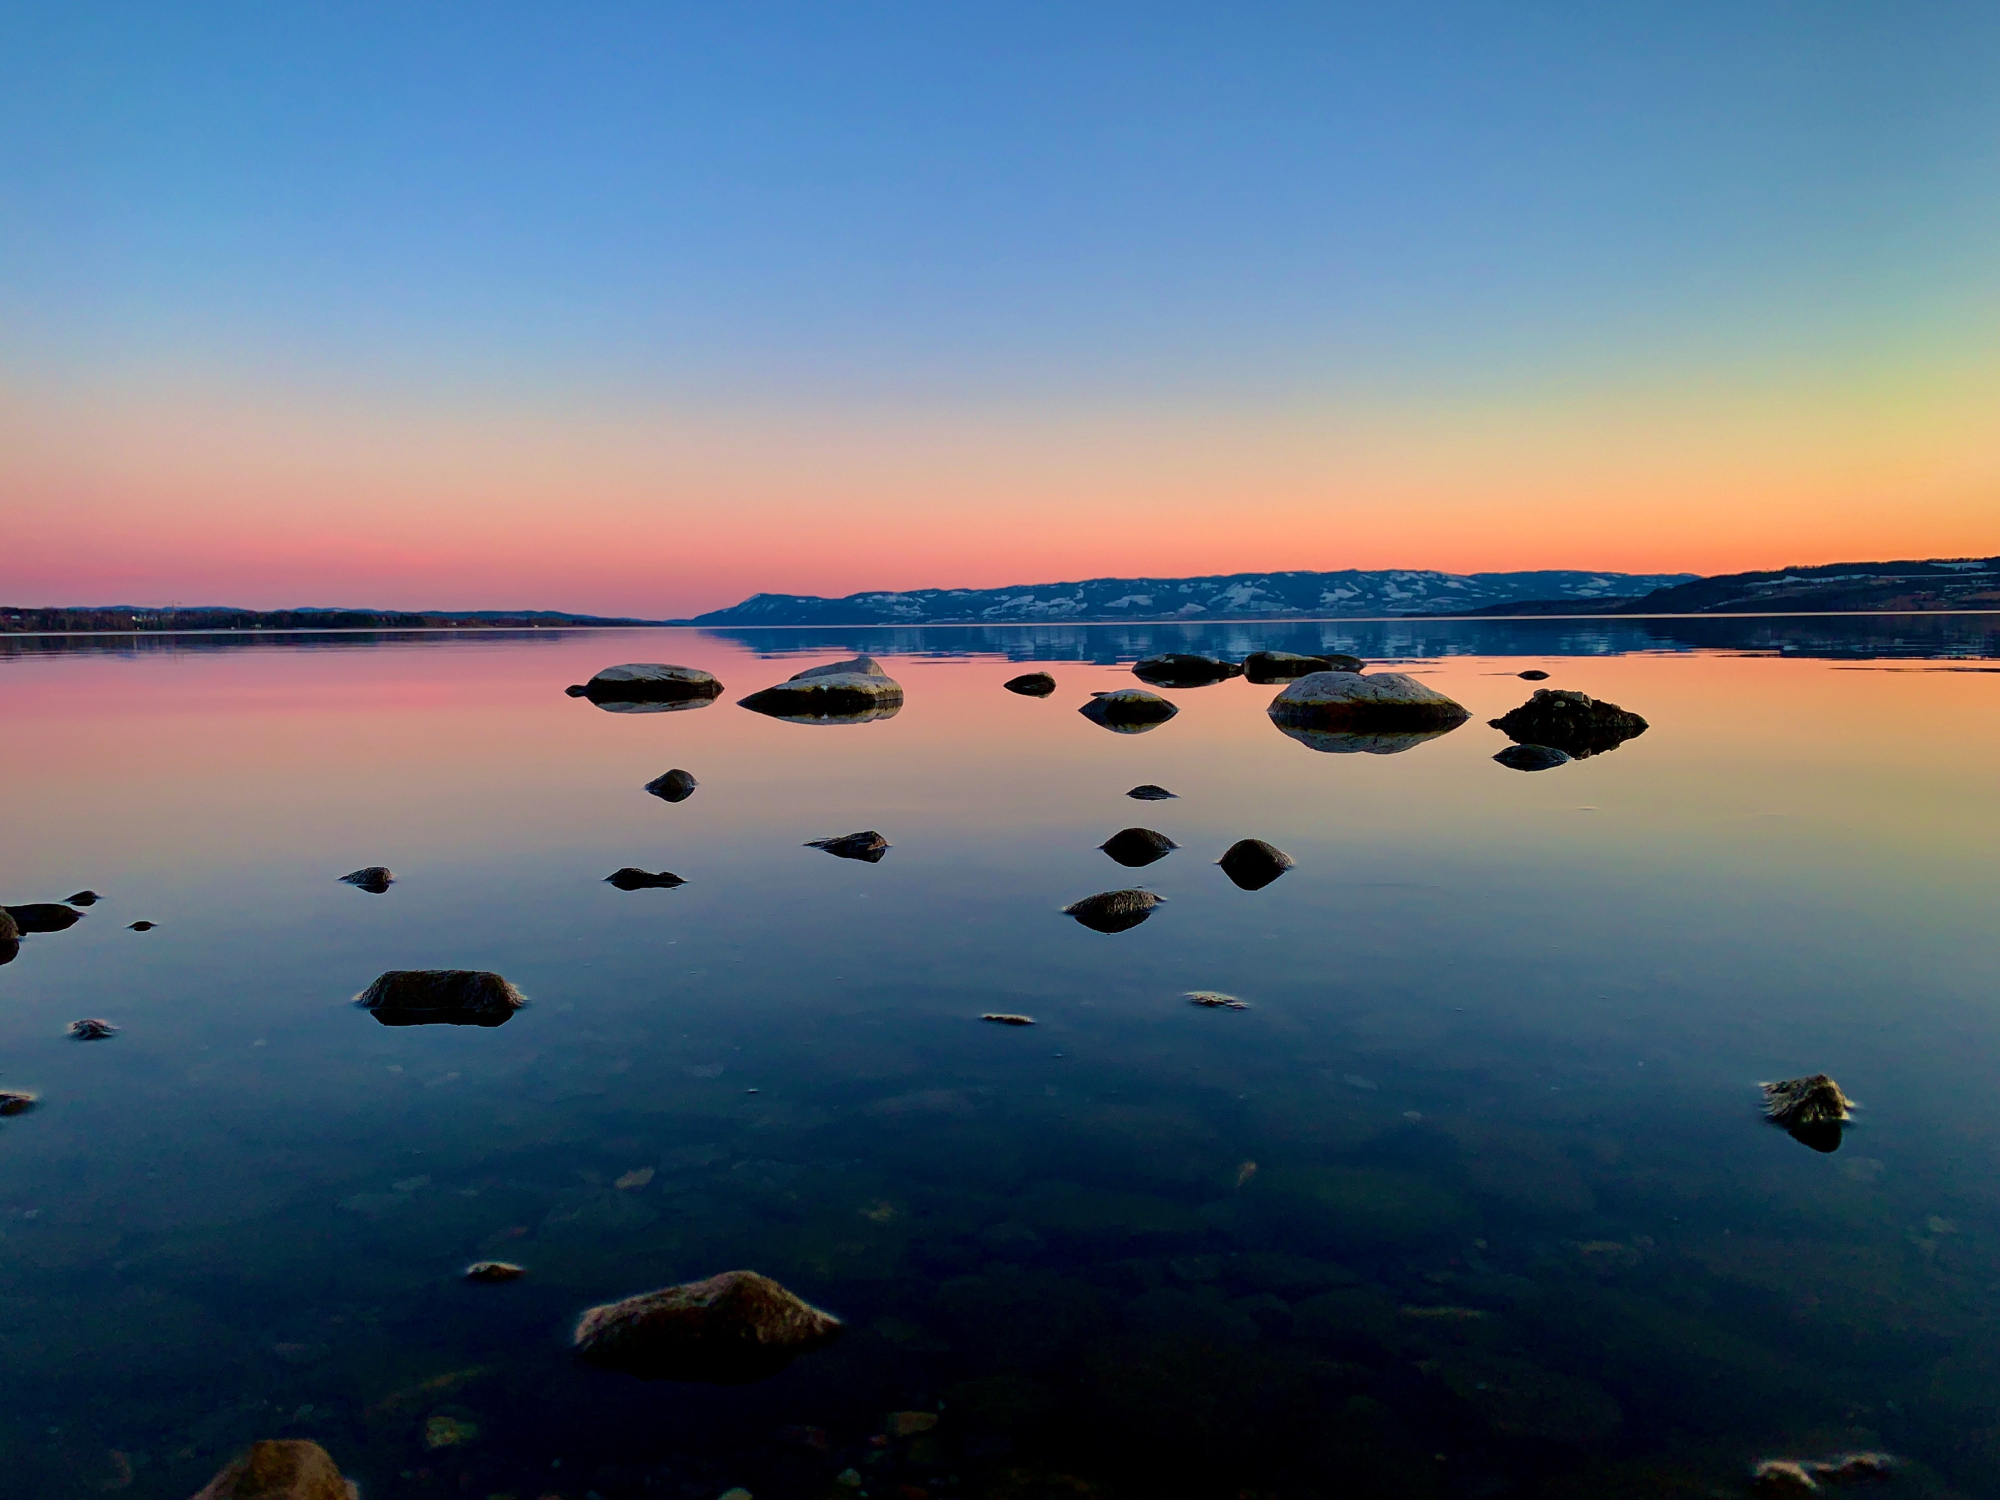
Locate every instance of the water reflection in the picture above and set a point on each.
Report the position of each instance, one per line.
(1358, 742)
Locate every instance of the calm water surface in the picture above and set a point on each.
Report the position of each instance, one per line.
(1472, 1201)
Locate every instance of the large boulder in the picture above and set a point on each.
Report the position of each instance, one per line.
(1178, 669)
(1266, 667)
(1372, 701)
(441, 997)
(650, 687)
(1128, 710)
(1575, 723)
(280, 1469)
(840, 692)
(1113, 911)
(727, 1330)
(42, 916)
(1253, 864)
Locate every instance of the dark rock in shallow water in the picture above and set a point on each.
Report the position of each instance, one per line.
(1267, 667)
(1133, 847)
(1532, 758)
(1360, 742)
(1031, 684)
(1574, 723)
(447, 997)
(675, 786)
(576, 690)
(1533, 674)
(650, 687)
(1803, 1476)
(1215, 1000)
(1380, 701)
(1113, 911)
(142, 926)
(1151, 793)
(491, 1271)
(631, 879)
(375, 879)
(9, 928)
(1178, 669)
(284, 1469)
(841, 692)
(1254, 864)
(1812, 1110)
(15, 1102)
(730, 1329)
(91, 1030)
(1007, 1018)
(1128, 710)
(83, 898)
(866, 845)
(43, 916)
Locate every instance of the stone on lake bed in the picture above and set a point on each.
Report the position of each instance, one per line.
(1133, 847)
(852, 691)
(1151, 793)
(634, 685)
(674, 786)
(1113, 911)
(867, 845)
(16, 1102)
(1532, 758)
(1376, 700)
(1180, 669)
(490, 1271)
(1253, 864)
(633, 879)
(730, 1329)
(375, 879)
(91, 1029)
(1574, 723)
(1031, 684)
(42, 916)
(281, 1469)
(1005, 1018)
(1215, 1000)
(83, 898)
(450, 997)
(1128, 710)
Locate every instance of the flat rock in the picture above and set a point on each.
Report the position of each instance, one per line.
(650, 687)
(1215, 1000)
(674, 786)
(867, 845)
(1181, 670)
(91, 1029)
(1575, 723)
(42, 916)
(83, 898)
(281, 1469)
(141, 926)
(375, 879)
(633, 879)
(1031, 684)
(1254, 864)
(448, 997)
(1133, 847)
(494, 1271)
(1007, 1018)
(1533, 674)
(1128, 710)
(1151, 793)
(729, 1329)
(1371, 701)
(840, 692)
(1532, 758)
(1113, 911)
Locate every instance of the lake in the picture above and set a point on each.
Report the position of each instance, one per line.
(1472, 1199)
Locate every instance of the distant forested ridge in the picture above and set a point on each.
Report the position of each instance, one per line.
(1906, 587)
(19, 619)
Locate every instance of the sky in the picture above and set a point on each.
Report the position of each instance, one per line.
(641, 309)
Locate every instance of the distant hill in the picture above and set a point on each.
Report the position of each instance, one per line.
(19, 619)
(1879, 587)
(1230, 596)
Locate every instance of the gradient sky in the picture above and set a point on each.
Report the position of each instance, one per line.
(643, 308)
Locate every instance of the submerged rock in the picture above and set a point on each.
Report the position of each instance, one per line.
(281, 1469)
(1128, 710)
(1532, 758)
(83, 898)
(375, 879)
(650, 687)
(42, 916)
(447, 997)
(16, 1102)
(91, 1029)
(1007, 1018)
(1113, 911)
(1375, 701)
(866, 845)
(1359, 742)
(1533, 674)
(842, 692)
(1215, 1000)
(494, 1271)
(1574, 723)
(1254, 864)
(1133, 847)
(674, 786)
(633, 879)
(1151, 793)
(1267, 667)
(142, 926)
(1031, 684)
(1179, 669)
(727, 1330)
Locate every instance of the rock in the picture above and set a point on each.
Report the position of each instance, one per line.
(1113, 911)
(9, 929)
(16, 1102)
(1128, 710)
(83, 898)
(650, 687)
(1267, 667)
(91, 1030)
(1133, 847)
(441, 1431)
(1392, 701)
(375, 879)
(1151, 793)
(1005, 1019)
(1031, 684)
(1178, 669)
(142, 926)
(576, 690)
(727, 1330)
(1532, 758)
(840, 692)
(1813, 1100)
(1351, 742)
(867, 845)
(1533, 674)
(632, 879)
(491, 1271)
(450, 997)
(1254, 864)
(42, 916)
(283, 1469)
(1215, 1000)
(675, 786)
(1782, 1476)
(1574, 723)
